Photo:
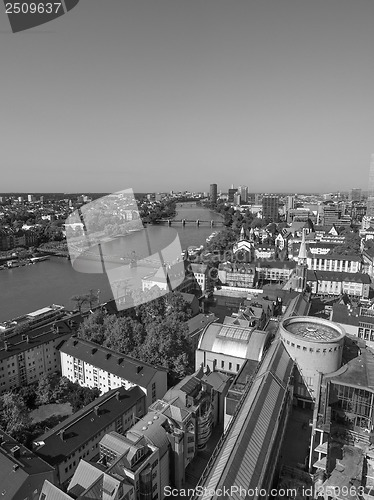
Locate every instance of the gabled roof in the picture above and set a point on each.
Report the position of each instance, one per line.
(52, 492)
(119, 364)
(58, 443)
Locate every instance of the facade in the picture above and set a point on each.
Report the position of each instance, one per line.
(134, 459)
(338, 263)
(79, 435)
(24, 358)
(316, 347)
(231, 194)
(275, 270)
(213, 193)
(336, 283)
(270, 207)
(92, 365)
(201, 273)
(237, 275)
(330, 214)
(243, 191)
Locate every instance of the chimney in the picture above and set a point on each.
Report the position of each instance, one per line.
(139, 369)
(62, 435)
(28, 339)
(75, 342)
(15, 467)
(15, 451)
(119, 361)
(93, 351)
(6, 346)
(97, 410)
(107, 356)
(117, 395)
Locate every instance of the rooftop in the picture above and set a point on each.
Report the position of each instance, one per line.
(358, 372)
(233, 340)
(313, 329)
(58, 443)
(338, 276)
(23, 342)
(20, 468)
(119, 364)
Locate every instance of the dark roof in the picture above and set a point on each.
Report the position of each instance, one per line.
(67, 326)
(352, 257)
(359, 372)
(341, 314)
(119, 364)
(198, 322)
(21, 473)
(338, 276)
(85, 424)
(188, 297)
(275, 264)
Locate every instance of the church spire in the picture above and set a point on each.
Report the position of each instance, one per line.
(242, 234)
(301, 259)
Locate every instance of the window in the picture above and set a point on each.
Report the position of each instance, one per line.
(230, 366)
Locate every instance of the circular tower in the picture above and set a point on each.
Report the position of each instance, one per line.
(315, 345)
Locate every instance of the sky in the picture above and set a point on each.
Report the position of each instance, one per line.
(158, 95)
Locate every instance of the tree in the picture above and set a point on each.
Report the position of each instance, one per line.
(93, 328)
(80, 300)
(167, 344)
(43, 390)
(14, 414)
(80, 397)
(123, 334)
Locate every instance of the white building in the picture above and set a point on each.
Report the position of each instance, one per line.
(92, 365)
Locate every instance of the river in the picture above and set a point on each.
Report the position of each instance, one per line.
(54, 281)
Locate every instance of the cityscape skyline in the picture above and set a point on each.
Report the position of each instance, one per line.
(162, 96)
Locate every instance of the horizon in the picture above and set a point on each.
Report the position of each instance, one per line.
(156, 96)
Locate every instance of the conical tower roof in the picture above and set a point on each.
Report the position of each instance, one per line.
(302, 252)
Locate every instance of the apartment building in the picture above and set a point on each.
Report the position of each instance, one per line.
(135, 459)
(340, 263)
(92, 365)
(79, 435)
(22, 473)
(25, 357)
(336, 283)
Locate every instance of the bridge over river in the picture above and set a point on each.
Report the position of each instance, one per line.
(184, 222)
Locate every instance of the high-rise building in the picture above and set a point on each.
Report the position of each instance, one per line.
(243, 191)
(330, 215)
(355, 194)
(231, 194)
(370, 202)
(213, 193)
(270, 207)
(237, 198)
